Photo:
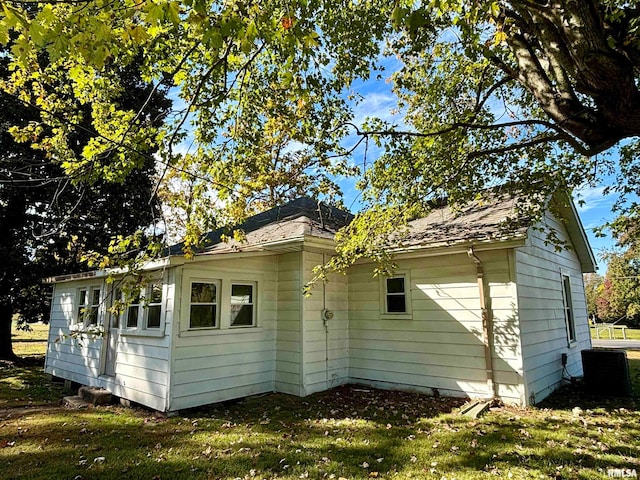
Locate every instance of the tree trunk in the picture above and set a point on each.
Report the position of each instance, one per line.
(6, 347)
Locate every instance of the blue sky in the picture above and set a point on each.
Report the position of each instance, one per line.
(378, 101)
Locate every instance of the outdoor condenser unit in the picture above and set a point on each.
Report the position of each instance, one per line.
(606, 372)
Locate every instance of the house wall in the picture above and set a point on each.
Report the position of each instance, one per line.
(539, 270)
(288, 364)
(440, 345)
(325, 342)
(66, 357)
(141, 366)
(142, 359)
(222, 363)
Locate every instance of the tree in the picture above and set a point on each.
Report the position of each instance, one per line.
(525, 94)
(50, 221)
(592, 289)
(619, 296)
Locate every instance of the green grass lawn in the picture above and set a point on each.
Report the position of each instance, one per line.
(30, 343)
(24, 383)
(632, 334)
(347, 433)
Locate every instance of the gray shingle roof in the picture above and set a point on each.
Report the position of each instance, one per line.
(300, 217)
(482, 220)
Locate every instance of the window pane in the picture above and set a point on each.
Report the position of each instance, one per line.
(155, 295)
(396, 304)
(241, 315)
(568, 308)
(95, 297)
(92, 315)
(395, 285)
(203, 293)
(242, 294)
(153, 316)
(83, 297)
(132, 316)
(115, 320)
(202, 316)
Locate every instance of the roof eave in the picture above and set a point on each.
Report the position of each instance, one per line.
(577, 233)
(456, 247)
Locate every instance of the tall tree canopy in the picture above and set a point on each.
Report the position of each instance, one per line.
(518, 93)
(49, 220)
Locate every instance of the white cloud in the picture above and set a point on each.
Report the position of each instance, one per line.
(590, 198)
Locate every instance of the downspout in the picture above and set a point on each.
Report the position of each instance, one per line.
(487, 322)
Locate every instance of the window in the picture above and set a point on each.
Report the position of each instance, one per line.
(242, 305)
(145, 310)
(88, 304)
(395, 295)
(133, 310)
(154, 307)
(568, 308)
(115, 314)
(204, 305)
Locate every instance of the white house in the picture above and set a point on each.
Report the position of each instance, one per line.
(469, 312)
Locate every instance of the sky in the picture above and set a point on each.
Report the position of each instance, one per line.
(379, 101)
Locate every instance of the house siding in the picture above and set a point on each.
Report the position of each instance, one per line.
(219, 364)
(141, 367)
(288, 363)
(326, 343)
(441, 345)
(539, 270)
(78, 361)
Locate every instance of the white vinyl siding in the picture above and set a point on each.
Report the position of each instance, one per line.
(325, 344)
(540, 269)
(142, 368)
(441, 345)
(66, 357)
(288, 341)
(217, 364)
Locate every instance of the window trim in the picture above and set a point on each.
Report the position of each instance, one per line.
(218, 283)
(254, 303)
(568, 308)
(384, 312)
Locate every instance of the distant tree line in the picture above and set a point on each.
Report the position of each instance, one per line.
(615, 297)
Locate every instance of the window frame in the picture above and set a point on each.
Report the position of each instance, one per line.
(384, 293)
(254, 303)
(141, 326)
(568, 309)
(82, 319)
(217, 317)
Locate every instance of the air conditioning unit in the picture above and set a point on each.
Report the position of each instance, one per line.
(606, 372)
